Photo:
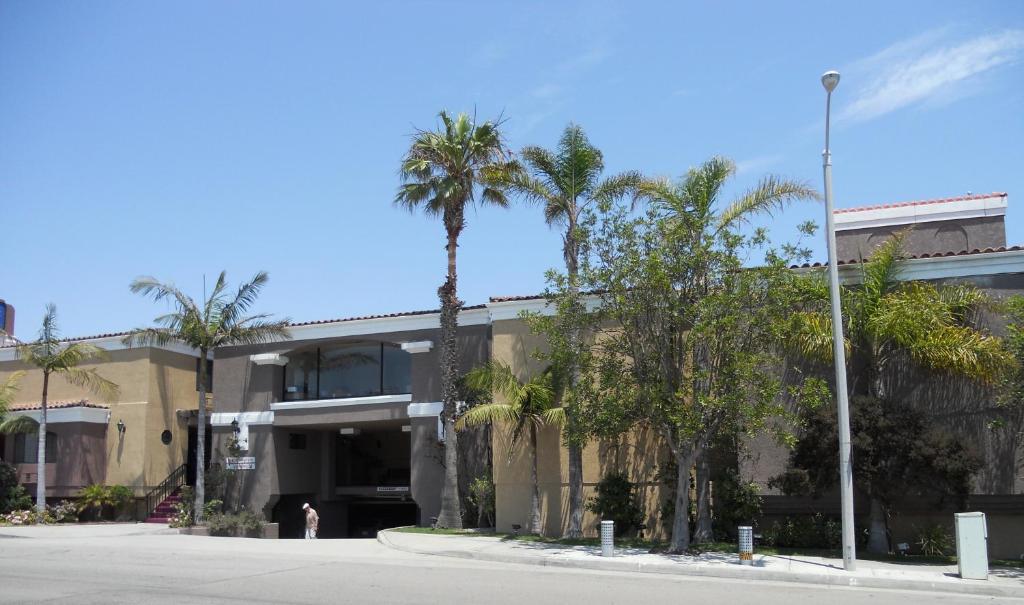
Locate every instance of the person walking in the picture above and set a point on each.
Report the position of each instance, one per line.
(312, 521)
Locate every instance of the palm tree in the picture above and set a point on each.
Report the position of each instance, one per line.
(443, 172)
(528, 407)
(693, 204)
(565, 181)
(219, 321)
(52, 356)
(889, 321)
(14, 424)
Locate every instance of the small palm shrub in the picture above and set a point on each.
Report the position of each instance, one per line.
(104, 501)
(616, 501)
(481, 496)
(934, 540)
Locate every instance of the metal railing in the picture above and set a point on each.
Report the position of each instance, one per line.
(160, 493)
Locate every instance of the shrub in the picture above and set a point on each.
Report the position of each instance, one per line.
(616, 501)
(212, 507)
(481, 496)
(245, 523)
(12, 496)
(64, 512)
(184, 509)
(104, 501)
(815, 531)
(222, 525)
(736, 502)
(934, 540)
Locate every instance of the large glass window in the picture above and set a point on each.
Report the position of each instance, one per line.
(357, 369)
(26, 448)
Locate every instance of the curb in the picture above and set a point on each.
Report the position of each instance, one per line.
(744, 573)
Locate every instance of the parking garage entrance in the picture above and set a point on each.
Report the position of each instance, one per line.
(365, 482)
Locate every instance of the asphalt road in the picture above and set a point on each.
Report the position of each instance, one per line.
(132, 564)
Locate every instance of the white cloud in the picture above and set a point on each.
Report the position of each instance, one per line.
(923, 69)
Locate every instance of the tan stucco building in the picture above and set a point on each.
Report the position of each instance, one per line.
(136, 440)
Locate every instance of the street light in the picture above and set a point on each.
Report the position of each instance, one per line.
(830, 79)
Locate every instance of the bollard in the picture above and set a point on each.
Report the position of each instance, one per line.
(607, 538)
(746, 545)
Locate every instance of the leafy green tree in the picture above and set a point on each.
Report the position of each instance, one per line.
(897, 451)
(526, 407)
(690, 328)
(54, 357)
(565, 182)
(888, 324)
(444, 172)
(220, 321)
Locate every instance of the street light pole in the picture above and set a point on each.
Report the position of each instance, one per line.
(830, 80)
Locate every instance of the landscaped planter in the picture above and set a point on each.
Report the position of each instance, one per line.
(270, 532)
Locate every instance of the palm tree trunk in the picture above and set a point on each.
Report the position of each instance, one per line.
(201, 441)
(41, 450)
(878, 539)
(703, 532)
(575, 529)
(451, 507)
(535, 527)
(680, 540)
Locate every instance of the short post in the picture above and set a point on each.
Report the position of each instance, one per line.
(607, 538)
(746, 545)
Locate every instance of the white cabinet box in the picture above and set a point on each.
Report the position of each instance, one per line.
(972, 545)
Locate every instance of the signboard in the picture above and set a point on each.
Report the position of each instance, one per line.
(242, 463)
(387, 489)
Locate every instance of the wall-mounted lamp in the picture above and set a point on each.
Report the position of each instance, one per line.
(234, 426)
(121, 427)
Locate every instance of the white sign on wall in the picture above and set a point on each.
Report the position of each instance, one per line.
(242, 463)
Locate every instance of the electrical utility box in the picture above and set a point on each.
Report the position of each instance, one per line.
(972, 545)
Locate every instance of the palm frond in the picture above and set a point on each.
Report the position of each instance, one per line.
(618, 185)
(91, 380)
(145, 337)
(771, 194)
(487, 412)
(19, 424)
(7, 390)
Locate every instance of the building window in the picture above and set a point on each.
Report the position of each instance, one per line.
(296, 441)
(26, 448)
(209, 375)
(354, 369)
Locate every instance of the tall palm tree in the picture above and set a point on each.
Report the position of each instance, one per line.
(220, 321)
(888, 321)
(444, 172)
(54, 357)
(565, 181)
(527, 407)
(694, 207)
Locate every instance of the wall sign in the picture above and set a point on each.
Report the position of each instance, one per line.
(241, 463)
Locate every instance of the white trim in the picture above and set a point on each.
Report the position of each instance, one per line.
(921, 213)
(114, 343)
(511, 309)
(225, 418)
(419, 346)
(333, 403)
(74, 414)
(425, 410)
(943, 267)
(383, 325)
(268, 359)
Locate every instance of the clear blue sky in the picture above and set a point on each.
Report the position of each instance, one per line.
(183, 138)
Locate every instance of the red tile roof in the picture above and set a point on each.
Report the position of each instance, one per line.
(978, 196)
(52, 405)
(917, 256)
(384, 316)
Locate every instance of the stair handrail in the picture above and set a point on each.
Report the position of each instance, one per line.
(160, 493)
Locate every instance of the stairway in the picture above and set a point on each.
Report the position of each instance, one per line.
(166, 509)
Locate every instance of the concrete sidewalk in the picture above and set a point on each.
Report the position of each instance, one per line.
(806, 570)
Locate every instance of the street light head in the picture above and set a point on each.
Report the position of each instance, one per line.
(830, 79)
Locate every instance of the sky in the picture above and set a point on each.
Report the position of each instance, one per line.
(179, 139)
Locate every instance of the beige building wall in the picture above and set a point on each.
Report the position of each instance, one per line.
(154, 384)
(637, 454)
